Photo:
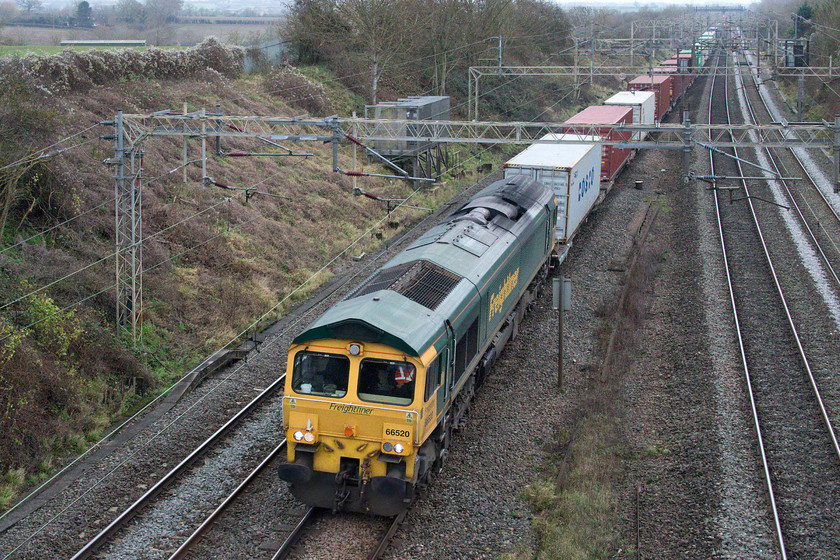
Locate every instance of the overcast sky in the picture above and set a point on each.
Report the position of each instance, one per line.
(657, 3)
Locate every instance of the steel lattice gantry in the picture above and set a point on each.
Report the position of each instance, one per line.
(623, 72)
(131, 131)
(334, 129)
(128, 235)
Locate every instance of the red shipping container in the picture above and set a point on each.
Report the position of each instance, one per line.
(612, 158)
(686, 66)
(660, 85)
(677, 87)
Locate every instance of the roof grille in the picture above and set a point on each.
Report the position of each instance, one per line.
(420, 281)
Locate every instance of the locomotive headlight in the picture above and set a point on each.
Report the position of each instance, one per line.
(387, 447)
(308, 437)
(355, 349)
(398, 448)
(298, 435)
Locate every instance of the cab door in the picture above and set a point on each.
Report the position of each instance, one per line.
(446, 370)
(446, 380)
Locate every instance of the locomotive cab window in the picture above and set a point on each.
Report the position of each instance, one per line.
(324, 375)
(387, 381)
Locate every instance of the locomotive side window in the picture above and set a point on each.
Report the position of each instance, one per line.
(433, 377)
(461, 356)
(466, 349)
(386, 381)
(325, 375)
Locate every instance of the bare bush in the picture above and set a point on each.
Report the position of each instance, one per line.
(296, 89)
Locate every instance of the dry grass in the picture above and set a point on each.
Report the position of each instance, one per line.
(575, 501)
(211, 276)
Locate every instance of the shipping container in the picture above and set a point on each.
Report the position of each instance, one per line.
(676, 86)
(687, 68)
(686, 62)
(570, 170)
(643, 104)
(613, 159)
(660, 85)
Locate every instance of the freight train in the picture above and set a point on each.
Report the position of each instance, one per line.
(377, 385)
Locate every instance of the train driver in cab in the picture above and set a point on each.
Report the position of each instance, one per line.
(387, 382)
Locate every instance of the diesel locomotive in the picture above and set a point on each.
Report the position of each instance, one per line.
(376, 386)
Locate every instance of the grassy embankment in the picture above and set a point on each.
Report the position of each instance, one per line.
(214, 262)
(576, 498)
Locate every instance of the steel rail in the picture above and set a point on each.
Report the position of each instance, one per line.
(193, 539)
(293, 537)
(747, 376)
(108, 532)
(823, 412)
(389, 534)
(811, 180)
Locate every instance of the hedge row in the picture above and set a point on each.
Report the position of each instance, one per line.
(72, 71)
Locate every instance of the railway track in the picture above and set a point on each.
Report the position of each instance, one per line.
(190, 542)
(180, 470)
(36, 541)
(796, 439)
(375, 551)
(819, 218)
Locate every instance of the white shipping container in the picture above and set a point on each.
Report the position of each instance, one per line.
(572, 171)
(643, 104)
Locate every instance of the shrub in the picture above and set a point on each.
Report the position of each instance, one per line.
(298, 90)
(71, 71)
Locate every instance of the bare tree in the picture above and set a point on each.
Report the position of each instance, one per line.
(162, 12)
(131, 12)
(29, 6)
(381, 31)
(370, 33)
(448, 31)
(8, 11)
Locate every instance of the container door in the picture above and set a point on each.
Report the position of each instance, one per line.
(637, 119)
(558, 182)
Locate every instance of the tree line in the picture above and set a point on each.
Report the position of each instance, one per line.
(423, 46)
(818, 21)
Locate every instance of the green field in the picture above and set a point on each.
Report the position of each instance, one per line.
(20, 50)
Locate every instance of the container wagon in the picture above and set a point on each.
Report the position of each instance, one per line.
(660, 85)
(675, 89)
